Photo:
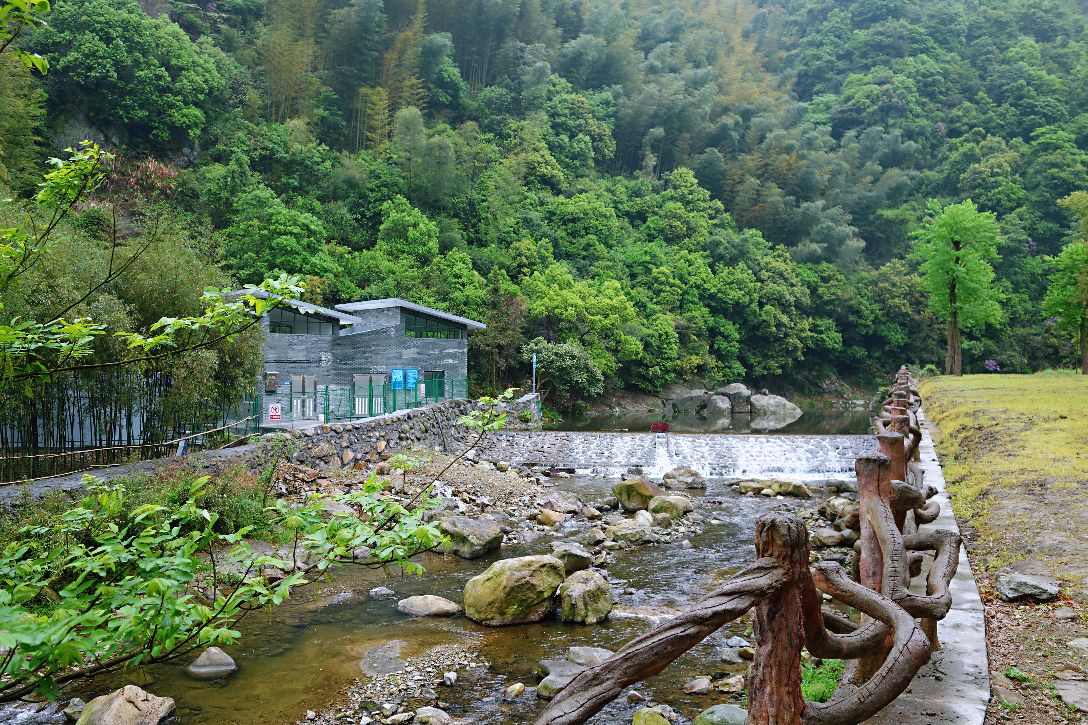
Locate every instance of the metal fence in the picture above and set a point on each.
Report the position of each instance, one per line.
(327, 403)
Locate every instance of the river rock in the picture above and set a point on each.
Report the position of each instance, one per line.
(699, 686)
(585, 597)
(722, 715)
(588, 656)
(674, 506)
(1073, 690)
(558, 674)
(128, 706)
(646, 716)
(212, 664)
(634, 494)
(684, 477)
(428, 605)
(562, 501)
(514, 591)
(574, 556)
(823, 537)
(632, 530)
(739, 397)
(772, 411)
(470, 538)
(1016, 587)
(550, 518)
(514, 691)
(432, 716)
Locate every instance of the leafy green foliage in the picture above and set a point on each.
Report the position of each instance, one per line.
(819, 681)
(114, 583)
(125, 70)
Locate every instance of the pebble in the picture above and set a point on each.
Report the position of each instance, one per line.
(1065, 614)
(449, 679)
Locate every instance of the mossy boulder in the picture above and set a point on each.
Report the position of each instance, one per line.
(722, 715)
(585, 597)
(470, 538)
(674, 506)
(514, 591)
(646, 716)
(635, 493)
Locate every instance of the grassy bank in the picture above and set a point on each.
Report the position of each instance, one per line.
(1015, 455)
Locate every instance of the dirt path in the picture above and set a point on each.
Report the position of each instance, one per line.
(1015, 454)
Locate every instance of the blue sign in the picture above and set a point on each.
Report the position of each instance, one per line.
(396, 375)
(411, 375)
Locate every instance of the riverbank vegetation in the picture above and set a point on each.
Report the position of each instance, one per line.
(670, 190)
(1013, 450)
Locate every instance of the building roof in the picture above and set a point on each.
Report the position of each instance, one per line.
(305, 306)
(405, 304)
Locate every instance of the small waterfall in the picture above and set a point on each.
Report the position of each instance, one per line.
(715, 455)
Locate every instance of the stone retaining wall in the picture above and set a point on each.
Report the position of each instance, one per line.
(360, 443)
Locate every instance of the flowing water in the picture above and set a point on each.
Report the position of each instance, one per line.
(301, 655)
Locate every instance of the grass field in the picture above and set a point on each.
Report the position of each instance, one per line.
(1015, 455)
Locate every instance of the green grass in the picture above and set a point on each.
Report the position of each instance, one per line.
(819, 682)
(236, 495)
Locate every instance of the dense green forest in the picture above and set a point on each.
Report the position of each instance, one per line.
(659, 190)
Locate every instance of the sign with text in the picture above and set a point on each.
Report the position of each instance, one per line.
(411, 376)
(396, 376)
(275, 411)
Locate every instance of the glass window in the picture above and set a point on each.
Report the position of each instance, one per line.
(289, 322)
(420, 326)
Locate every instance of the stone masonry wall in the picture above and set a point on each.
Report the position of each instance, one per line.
(359, 444)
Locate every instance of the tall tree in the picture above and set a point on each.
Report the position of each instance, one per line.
(958, 246)
(1067, 296)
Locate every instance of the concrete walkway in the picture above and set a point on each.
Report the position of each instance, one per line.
(955, 686)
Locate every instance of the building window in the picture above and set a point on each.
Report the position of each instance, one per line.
(420, 326)
(288, 322)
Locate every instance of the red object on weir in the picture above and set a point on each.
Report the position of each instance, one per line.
(659, 427)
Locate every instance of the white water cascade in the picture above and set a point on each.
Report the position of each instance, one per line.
(718, 455)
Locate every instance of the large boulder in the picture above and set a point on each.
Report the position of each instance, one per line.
(772, 411)
(674, 506)
(1016, 587)
(719, 412)
(722, 715)
(428, 605)
(739, 397)
(574, 556)
(470, 538)
(212, 664)
(684, 477)
(514, 591)
(635, 493)
(585, 597)
(780, 488)
(128, 706)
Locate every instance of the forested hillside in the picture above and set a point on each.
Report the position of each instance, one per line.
(680, 188)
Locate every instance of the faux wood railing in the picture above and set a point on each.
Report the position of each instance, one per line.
(895, 629)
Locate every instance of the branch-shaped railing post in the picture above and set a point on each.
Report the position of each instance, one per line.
(774, 684)
(874, 489)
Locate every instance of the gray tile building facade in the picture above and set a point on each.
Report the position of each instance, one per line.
(360, 359)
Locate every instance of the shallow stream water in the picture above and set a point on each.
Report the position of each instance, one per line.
(301, 655)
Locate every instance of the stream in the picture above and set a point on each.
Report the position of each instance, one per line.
(304, 654)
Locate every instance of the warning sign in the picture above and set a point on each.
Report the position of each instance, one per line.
(274, 411)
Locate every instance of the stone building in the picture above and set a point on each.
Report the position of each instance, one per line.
(360, 359)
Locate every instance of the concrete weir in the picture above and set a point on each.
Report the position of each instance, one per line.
(797, 457)
(955, 686)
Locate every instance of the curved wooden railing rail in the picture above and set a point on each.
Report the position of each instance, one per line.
(896, 629)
